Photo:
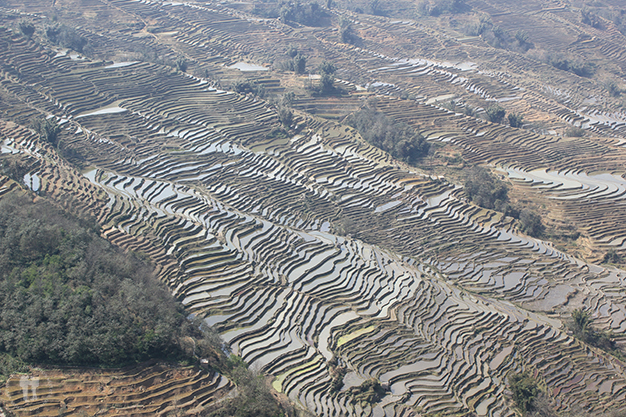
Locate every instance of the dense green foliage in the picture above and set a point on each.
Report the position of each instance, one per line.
(369, 392)
(254, 399)
(309, 14)
(566, 62)
(495, 113)
(48, 130)
(515, 119)
(326, 71)
(438, 7)
(524, 389)
(486, 191)
(249, 86)
(531, 223)
(399, 139)
(296, 63)
(67, 37)
(68, 296)
(580, 325)
(27, 28)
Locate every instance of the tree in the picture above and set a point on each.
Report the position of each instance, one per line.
(327, 80)
(299, 64)
(582, 329)
(531, 223)
(581, 320)
(521, 36)
(181, 64)
(524, 389)
(285, 116)
(612, 257)
(27, 28)
(523, 40)
(327, 83)
(246, 86)
(515, 119)
(346, 32)
(48, 130)
(495, 113)
(574, 132)
(327, 67)
(66, 37)
(292, 51)
(288, 98)
(486, 191)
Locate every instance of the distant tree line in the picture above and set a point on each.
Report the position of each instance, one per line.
(494, 113)
(250, 86)
(308, 14)
(398, 139)
(67, 37)
(439, 7)
(497, 37)
(295, 63)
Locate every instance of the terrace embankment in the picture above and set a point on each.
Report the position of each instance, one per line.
(148, 389)
(310, 250)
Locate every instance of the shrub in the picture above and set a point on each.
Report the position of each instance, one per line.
(181, 64)
(247, 86)
(589, 18)
(449, 105)
(438, 7)
(612, 257)
(309, 14)
(347, 34)
(254, 398)
(580, 325)
(531, 223)
(27, 28)
(515, 120)
(571, 64)
(574, 132)
(288, 98)
(495, 113)
(285, 116)
(47, 130)
(469, 111)
(369, 392)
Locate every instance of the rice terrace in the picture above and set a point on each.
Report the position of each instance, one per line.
(290, 208)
